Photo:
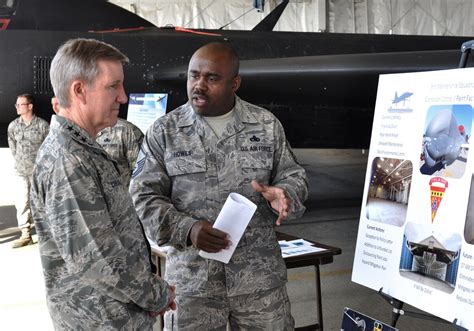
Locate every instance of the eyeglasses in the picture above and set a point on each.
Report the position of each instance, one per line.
(21, 104)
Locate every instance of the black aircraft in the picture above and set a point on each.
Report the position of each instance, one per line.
(322, 86)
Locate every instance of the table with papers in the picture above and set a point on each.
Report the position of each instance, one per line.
(297, 252)
(308, 253)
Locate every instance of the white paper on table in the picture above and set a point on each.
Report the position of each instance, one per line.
(234, 217)
(284, 244)
(294, 251)
(300, 242)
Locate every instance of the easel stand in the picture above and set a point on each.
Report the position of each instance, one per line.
(397, 311)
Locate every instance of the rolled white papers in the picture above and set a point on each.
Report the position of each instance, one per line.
(234, 217)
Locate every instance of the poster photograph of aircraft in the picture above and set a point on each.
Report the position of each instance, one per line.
(445, 140)
(430, 256)
(389, 190)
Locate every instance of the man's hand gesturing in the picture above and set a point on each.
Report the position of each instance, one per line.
(277, 198)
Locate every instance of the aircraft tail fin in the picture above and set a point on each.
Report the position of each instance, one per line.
(269, 22)
(395, 98)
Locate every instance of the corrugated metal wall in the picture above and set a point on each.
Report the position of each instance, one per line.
(420, 17)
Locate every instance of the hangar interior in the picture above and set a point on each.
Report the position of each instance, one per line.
(412, 17)
(391, 179)
(336, 176)
(336, 181)
(389, 190)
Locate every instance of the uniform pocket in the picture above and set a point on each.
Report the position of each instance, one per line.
(187, 172)
(254, 161)
(184, 162)
(252, 166)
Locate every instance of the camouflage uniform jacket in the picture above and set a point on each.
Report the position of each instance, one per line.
(184, 173)
(95, 258)
(24, 140)
(122, 142)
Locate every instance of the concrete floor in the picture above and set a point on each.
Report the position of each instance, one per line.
(386, 211)
(336, 182)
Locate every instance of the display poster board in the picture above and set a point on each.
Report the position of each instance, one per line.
(145, 108)
(416, 230)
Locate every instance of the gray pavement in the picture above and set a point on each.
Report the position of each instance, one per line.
(336, 181)
(22, 298)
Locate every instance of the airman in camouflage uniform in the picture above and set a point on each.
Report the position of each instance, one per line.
(96, 261)
(190, 160)
(25, 135)
(122, 142)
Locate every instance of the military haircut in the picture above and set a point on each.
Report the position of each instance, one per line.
(77, 59)
(224, 47)
(29, 98)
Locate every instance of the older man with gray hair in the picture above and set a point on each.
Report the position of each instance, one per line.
(95, 257)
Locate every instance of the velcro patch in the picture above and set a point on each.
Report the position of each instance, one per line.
(140, 163)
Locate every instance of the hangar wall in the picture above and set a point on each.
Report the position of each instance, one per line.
(300, 15)
(419, 17)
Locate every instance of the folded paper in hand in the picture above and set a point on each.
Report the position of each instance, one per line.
(233, 219)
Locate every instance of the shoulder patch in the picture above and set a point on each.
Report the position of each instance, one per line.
(140, 162)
